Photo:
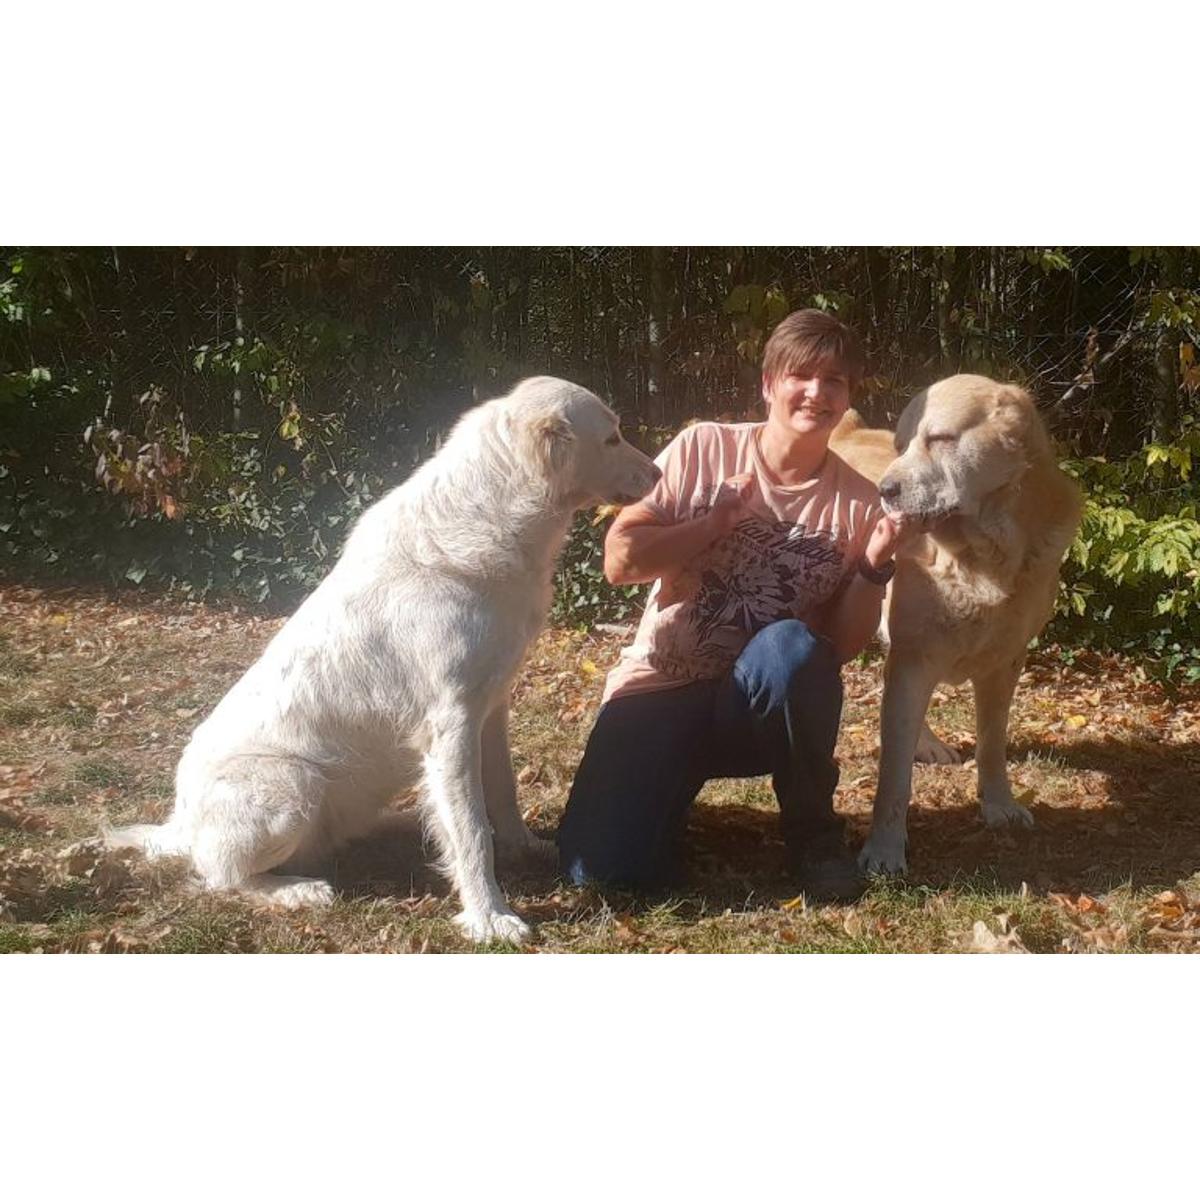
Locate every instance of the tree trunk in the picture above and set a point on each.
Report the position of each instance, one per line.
(575, 282)
(1165, 415)
(656, 266)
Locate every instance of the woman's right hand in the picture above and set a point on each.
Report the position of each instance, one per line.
(731, 503)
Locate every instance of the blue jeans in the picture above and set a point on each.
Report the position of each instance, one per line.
(776, 713)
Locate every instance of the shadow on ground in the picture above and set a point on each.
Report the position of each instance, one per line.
(1142, 829)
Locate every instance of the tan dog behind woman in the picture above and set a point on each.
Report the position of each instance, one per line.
(396, 671)
(971, 476)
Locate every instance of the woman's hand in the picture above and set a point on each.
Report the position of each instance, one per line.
(731, 503)
(882, 543)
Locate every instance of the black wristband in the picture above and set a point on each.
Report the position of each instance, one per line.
(880, 576)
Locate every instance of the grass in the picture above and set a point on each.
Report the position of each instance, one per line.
(100, 694)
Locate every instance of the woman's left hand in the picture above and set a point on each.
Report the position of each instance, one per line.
(882, 544)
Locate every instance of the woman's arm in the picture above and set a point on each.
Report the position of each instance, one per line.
(639, 548)
(852, 619)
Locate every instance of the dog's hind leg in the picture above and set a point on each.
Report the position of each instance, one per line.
(252, 818)
(993, 698)
(454, 792)
(931, 749)
(514, 840)
(287, 891)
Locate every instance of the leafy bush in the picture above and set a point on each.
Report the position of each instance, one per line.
(219, 514)
(1132, 577)
(582, 596)
(213, 419)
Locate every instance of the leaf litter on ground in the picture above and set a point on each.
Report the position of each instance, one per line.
(102, 692)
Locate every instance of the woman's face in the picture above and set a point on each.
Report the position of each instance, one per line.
(808, 401)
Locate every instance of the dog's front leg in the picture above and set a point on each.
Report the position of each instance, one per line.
(993, 699)
(514, 839)
(907, 689)
(454, 784)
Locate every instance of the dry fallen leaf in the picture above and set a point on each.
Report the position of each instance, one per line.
(18, 818)
(81, 857)
(604, 511)
(1106, 937)
(984, 941)
(1168, 907)
(626, 929)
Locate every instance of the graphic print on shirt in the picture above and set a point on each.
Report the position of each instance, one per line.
(766, 570)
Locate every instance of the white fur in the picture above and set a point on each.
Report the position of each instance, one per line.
(396, 671)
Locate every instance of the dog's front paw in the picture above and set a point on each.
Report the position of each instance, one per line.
(498, 926)
(931, 749)
(1004, 812)
(883, 854)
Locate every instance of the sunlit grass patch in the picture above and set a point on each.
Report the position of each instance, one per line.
(103, 714)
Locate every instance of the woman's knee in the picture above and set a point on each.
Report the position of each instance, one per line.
(788, 654)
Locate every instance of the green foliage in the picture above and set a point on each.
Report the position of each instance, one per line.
(213, 419)
(755, 311)
(1132, 576)
(582, 596)
(226, 513)
(1049, 260)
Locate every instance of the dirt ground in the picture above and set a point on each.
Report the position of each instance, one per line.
(99, 693)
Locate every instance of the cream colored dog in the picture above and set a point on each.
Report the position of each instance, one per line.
(973, 476)
(397, 670)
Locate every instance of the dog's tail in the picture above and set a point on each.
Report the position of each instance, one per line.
(850, 422)
(153, 840)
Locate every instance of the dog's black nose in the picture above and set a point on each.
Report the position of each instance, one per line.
(889, 489)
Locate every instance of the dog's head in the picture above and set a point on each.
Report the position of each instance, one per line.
(573, 439)
(962, 441)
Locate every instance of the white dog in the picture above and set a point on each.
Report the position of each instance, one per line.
(397, 670)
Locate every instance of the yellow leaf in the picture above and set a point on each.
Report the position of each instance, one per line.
(604, 512)
(796, 902)
(1076, 721)
(588, 667)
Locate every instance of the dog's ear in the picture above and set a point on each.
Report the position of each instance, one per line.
(910, 418)
(1017, 419)
(552, 439)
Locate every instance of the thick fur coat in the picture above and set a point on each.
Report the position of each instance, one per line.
(971, 472)
(396, 672)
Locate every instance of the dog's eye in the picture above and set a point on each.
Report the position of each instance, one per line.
(932, 438)
(615, 440)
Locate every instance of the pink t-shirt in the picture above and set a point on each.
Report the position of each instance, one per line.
(799, 545)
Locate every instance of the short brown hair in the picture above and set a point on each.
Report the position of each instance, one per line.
(808, 337)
